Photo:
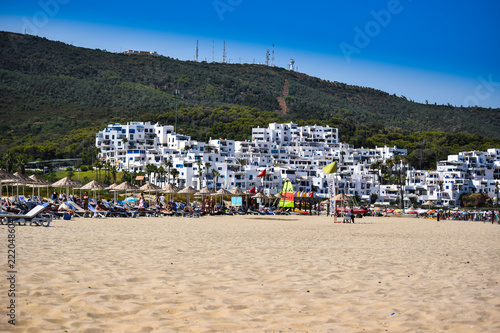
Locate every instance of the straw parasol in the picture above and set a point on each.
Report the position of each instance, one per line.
(38, 183)
(259, 196)
(188, 190)
(428, 203)
(206, 191)
(270, 197)
(237, 192)
(22, 180)
(222, 192)
(67, 183)
(93, 186)
(6, 178)
(125, 186)
(149, 187)
(170, 189)
(111, 187)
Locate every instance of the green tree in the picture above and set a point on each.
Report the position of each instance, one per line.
(207, 168)
(21, 163)
(199, 164)
(168, 165)
(9, 159)
(215, 175)
(175, 174)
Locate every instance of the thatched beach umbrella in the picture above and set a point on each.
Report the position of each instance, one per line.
(111, 188)
(149, 188)
(170, 189)
(93, 186)
(126, 186)
(428, 203)
(237, 192)
(6, 178)
(222, 192)
(39, 183)
(67, 183)
(188, 190)
(23, 181)
(270, 198)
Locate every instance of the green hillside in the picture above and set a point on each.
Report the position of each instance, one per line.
(54, 97)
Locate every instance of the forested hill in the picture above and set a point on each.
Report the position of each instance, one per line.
(55, 96)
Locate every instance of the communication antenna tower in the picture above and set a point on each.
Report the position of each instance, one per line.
(224, 53)
(292, 65)
(272, 58)
(197, 51)
(267, 57)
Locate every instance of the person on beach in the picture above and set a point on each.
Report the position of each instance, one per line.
(141, 201)
(350, 216)
(54, 196)
(86, 200)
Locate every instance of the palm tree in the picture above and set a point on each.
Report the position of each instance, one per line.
(207, 167)
(150, 169)
(215, 175)
(169, 165)
(161, 172)
(174, 173)
(342, 153)
(199, 163)
(113, 173)
(21, 163)
(9, 159)
(107, 169)
(496, 190)
(97, 166)
(242, 162)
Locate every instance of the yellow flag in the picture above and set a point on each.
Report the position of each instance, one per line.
(330, 168)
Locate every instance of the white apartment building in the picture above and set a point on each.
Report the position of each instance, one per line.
(297, 153)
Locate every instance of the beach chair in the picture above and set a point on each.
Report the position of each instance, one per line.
(33, 217)
(97, 214)
(117, 211)
(79, 211)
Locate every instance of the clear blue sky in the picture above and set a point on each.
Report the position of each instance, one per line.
(441, 51)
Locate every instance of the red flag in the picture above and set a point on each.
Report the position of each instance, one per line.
(252, 190)
(262, 174)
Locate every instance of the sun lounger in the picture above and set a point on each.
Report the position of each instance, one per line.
(116, 211)
(79, 211)
(33, 217)
(96, 213)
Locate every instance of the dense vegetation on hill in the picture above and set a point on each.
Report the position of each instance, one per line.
(54, 97)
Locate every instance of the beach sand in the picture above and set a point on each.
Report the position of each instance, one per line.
(256, 274)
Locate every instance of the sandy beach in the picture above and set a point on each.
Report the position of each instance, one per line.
(255, 273)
